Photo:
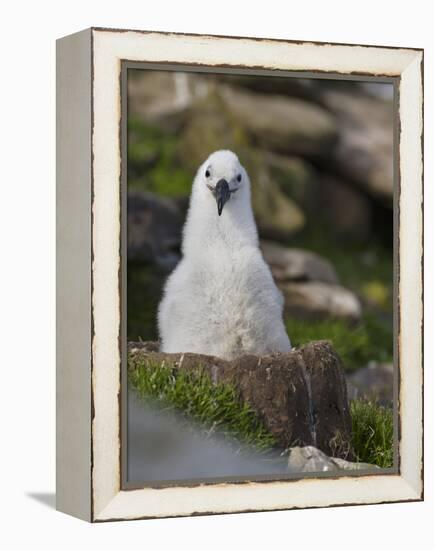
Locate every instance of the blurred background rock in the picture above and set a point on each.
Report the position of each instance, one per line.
(320, 158)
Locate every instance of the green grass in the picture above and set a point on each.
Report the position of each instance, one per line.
(215, 407)
(372, 432)
(356, 345)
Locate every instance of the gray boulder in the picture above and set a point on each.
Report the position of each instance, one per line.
(295, 176)
(375, 381)
(278, 216)
(161, 98)
(340, 206)
(154, 230)
(296, 264)
(343, 208)
(311, 459)
(282, 124)
(305, 88)
(364, 153)
(319, 300)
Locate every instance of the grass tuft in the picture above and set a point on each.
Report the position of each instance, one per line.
(372, 432)
(215, 406)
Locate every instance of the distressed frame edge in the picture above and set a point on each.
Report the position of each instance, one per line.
(253, 38)
(411, 164)
(414, 493)
(112, 511)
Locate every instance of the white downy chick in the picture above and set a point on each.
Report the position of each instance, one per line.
(221, 299)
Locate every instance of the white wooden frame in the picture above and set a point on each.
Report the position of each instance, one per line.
(88, 263)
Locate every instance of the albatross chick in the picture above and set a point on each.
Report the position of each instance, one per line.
(221, 299)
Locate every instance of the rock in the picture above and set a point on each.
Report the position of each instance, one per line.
(154, 230)
(282, 124)
(319, 300)
(295, 264)
(143, 347)
(364, 153)
(373, 382)
(305, 88)
(277, 216)
(300, 396)
(343, 208)
(208, 128)
(378, 89)
(295, 176)
(348, 465)
(311, 459)
(163, 98)
(322, 195)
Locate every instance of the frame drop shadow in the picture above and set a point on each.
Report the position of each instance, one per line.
(47, 499)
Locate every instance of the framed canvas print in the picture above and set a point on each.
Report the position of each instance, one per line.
(239, 274)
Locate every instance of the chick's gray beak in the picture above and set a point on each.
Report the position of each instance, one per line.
(222, 194)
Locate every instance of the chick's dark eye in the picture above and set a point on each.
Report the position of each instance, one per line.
(207, 174)
(239, 177)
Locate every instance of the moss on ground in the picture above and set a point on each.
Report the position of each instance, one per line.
(372, 432)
